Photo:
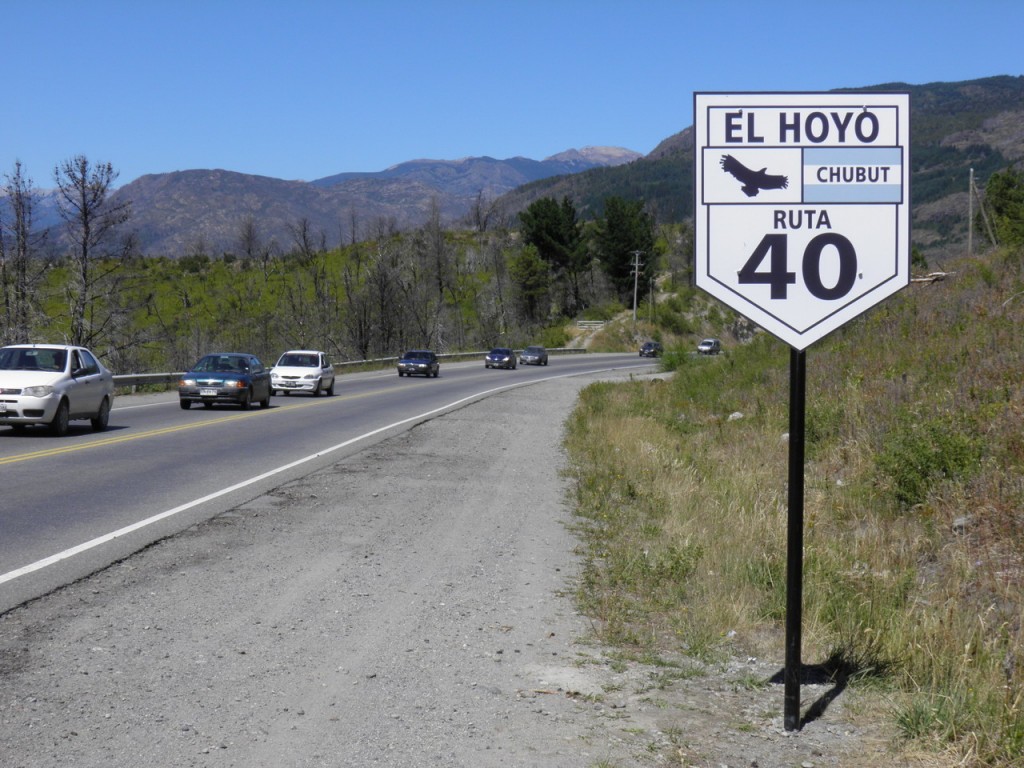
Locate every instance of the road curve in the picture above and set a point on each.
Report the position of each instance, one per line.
(77, 504)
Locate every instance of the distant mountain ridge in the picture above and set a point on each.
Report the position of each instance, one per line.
(463, 176)
(955, 127)
(203, 210)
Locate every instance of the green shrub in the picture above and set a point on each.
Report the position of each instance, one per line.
(554, 336)
(823, 421)
(605, 311)
(921, 452)
(671, 318)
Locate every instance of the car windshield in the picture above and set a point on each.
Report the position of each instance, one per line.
(36, 359)
(501, 351)
(295, 360)
(533, 350)
(416, 355)
(222, 364)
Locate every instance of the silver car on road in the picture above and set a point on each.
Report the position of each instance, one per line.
(302, 370)
(52, 384)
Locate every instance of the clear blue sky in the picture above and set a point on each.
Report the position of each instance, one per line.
(301, 89)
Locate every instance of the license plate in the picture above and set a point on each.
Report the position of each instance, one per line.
(207, 392)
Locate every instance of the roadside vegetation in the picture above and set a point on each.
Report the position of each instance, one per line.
(450, 289)
(914, 534)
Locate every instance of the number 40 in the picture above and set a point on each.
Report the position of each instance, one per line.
(779, 278)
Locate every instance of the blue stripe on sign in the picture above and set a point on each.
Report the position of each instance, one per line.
(852, 193)
(853, 156)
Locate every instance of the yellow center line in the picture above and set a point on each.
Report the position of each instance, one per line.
(117, 439)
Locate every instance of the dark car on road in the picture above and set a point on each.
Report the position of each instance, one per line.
(534, 355)
(650, 349)
(422, 362)
(235, 378)
(500, 357)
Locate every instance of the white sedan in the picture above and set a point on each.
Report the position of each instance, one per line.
(302, 370)
(52, 384)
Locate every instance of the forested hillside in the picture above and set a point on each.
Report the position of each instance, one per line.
(975, 124)
(449, 290)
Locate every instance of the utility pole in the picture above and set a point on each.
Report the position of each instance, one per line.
(970, 215)
(636, 280)
(981, 209)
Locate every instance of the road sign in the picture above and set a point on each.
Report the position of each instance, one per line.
(802, 217)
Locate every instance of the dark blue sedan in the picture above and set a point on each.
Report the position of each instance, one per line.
(500, 357)
(234, 378)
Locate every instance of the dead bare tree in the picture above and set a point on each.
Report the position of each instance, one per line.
(359, 321)
(20, 270)
(317, 308)
(91, 219)
(252, 247)
(483, 212)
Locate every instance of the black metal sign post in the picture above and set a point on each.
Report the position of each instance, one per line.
(795, 538)
(816, 237)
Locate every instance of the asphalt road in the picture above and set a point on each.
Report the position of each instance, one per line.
(406, 603)
(73, 505)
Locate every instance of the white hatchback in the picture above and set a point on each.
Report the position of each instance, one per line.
(709, 347)
(302, 370)
(52, 384)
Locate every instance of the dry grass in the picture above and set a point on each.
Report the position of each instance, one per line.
(914, 553)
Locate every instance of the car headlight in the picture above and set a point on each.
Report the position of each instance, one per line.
(187, 383)
(310, 376)
(234, 384)
(43, 390)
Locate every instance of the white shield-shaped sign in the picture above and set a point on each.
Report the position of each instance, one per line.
(802, 217)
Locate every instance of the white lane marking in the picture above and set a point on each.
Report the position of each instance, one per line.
(100, 540)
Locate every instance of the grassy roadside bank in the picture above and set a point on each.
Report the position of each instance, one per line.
(914, 529)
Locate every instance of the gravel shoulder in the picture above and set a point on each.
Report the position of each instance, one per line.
(409, 606)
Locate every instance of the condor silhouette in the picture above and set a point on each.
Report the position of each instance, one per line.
(753, 181)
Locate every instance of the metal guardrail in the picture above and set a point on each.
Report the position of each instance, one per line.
(133, 380)
(140, 379)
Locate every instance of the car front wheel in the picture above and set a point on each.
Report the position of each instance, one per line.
(59, 425)
(330, 389)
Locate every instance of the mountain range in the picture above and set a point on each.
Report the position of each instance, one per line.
(955, 128)
(203, 210)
